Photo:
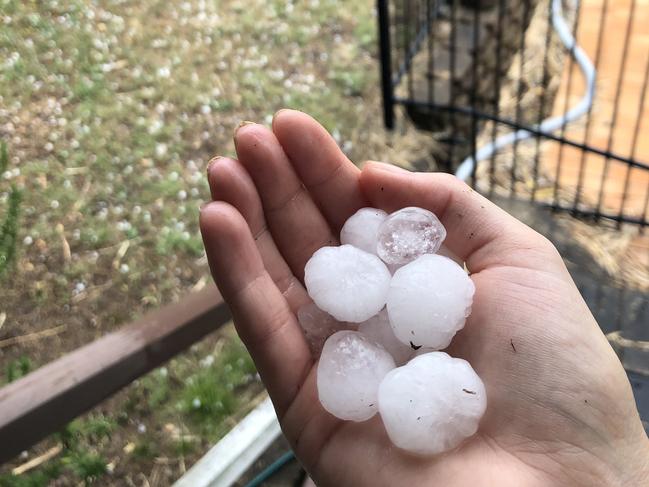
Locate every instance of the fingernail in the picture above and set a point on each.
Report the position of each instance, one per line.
(213, 161)
(280, 111)
(242, 124)
(382, 166)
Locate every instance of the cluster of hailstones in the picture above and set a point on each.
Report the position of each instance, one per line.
(384, 303)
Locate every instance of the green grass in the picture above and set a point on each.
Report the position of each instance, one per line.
(18, 368)
(210, 394)
(185, 447)
(145, 449)
(116, 108)
(87, 466)
(156, 389)
(79, 458)
(122, 105)
(95, 427)
(40, 478)
(201, 392)
(173, 241)
(215, 377)
(8, 225)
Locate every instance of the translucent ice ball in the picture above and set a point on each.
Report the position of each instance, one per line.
(429, 301)
(409, 233)
(350, 370)
(431, 404)
(348, 283)
(361, 228)
(318, 326)
(378, 329)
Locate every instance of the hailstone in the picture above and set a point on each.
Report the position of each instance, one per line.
(318, 326)
(393, 294)
(348, 283)
(378, 329)
(350, 370)
(361, 228)
(431, 404)
(429, 301)
(409, 233)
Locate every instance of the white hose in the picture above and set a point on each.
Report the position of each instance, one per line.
(549, 125)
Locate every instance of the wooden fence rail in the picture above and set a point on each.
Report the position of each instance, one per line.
(44, 401)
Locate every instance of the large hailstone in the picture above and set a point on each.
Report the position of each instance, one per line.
(409, 233)
(350, 370)
(429, 301)
(318, 326)
(348, 283)
(431, 404)
(378, 329)
(361, 228)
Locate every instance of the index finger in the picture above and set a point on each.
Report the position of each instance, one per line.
(330, 177)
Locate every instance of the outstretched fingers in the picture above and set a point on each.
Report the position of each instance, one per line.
(295, 221)
(264, 319)
(230, 182)
(330, 177)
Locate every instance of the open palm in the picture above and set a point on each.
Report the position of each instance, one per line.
(560, 409)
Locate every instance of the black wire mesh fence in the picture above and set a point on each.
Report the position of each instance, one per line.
(538, 99)
(542, 101)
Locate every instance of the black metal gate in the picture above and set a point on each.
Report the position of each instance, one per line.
(542, 99)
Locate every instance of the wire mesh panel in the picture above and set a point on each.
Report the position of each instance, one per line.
(538, 99)
(544, 101)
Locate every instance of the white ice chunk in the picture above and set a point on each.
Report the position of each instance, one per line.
(378, 329)
(361, 228)
(431, 404)
(409, 233)
(348, 283)
(318, 326)
(350, 370)
(429, 301)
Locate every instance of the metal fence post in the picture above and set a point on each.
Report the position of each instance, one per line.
(386, 63)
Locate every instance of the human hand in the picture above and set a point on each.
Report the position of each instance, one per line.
(560, 408)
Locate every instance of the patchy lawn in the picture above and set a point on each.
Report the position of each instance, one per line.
(154, 429)
(110, 111)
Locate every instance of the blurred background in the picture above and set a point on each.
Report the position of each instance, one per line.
(111, 109)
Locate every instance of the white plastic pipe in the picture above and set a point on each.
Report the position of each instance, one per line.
(549, 125)
(226, 461)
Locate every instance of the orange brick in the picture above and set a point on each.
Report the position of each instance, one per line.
(617, 175)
